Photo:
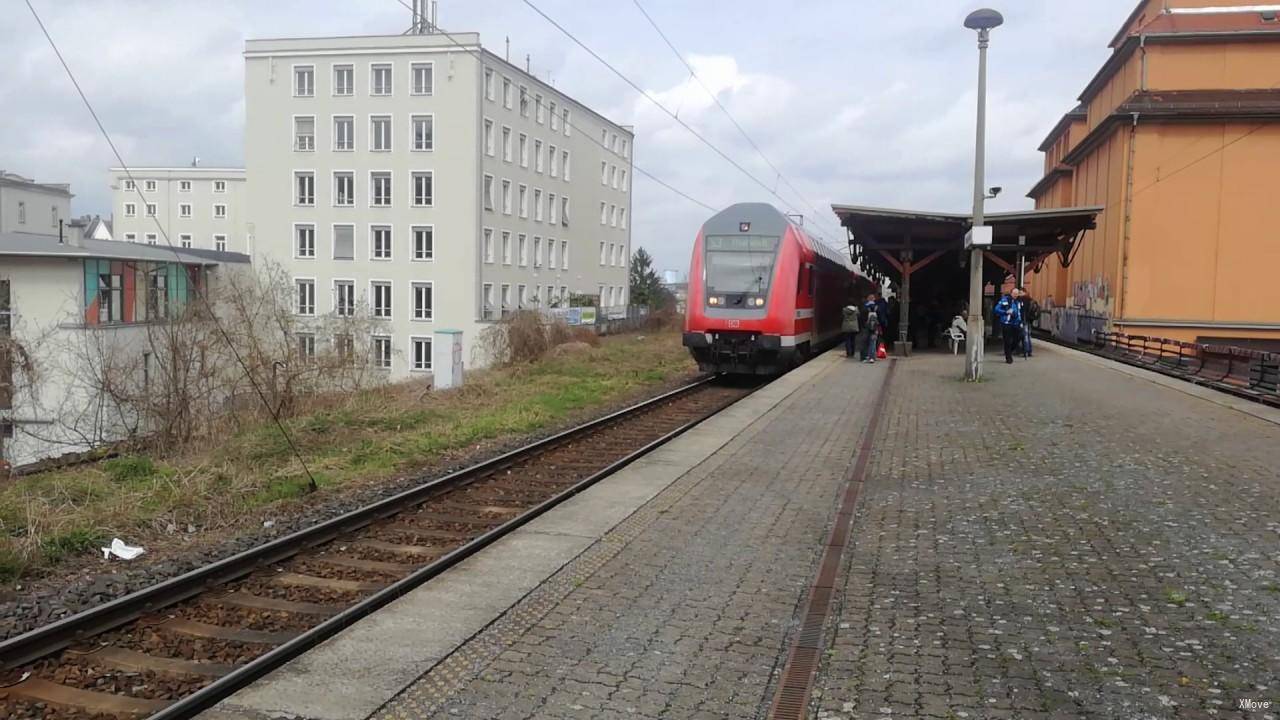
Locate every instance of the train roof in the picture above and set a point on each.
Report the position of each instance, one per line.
(765, 219)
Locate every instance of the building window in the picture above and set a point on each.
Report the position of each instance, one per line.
(506, 298)
(604, 173)
(551, 254)
(564, 162)
(553, 209)
(344, 298)
(183, 186)
(157, 295)
(220, 186)
(306, 347)
(220, 211)
(555, 119)
(151, 211)
(622, 179)
(506, 93)
(506, 197)
(380, 242)
(564, 211)
(344, 242)
(488, 245)
(380, 189)
(423, 189)
(537, 155)
(151, 238)
(304, 139)
(381, 292)
(506, 144)
(129, 186)
(554, 159)
(381, 79)
(487, 312)
(624, 148)
(344, 132)
(524, 101)
(541, 111)
(305, 240)
(306, 296)
(380, 133)
(613, 177)
(524, 249)
(506, 247)
(613, 216)
(523, 196)
(110, 298)
(150, 185)
(604, 213)
(130, 210)
(344, 347)
(424, 132)
(565, 114)
(422, 301)
(131, 237)
(424, 246)
(537, 251)
(344, 80)
(22, 212)
(524, 150)
(622, 218)
(522, 294)
(344, 189)
(488, 192)
(488, 138)
(304, 81)
(421, 354)
(382, 352)
(305, 185)
(185, 240)
(423, 78)
(220, 243)
(604, 248)
(184, 210)
(490, 91)
(537, 205)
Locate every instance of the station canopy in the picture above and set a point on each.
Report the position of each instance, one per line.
(883, 238)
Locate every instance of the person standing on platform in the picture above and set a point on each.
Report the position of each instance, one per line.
(1030, 311)
(871, 322)
(1009, 317)
(849, 326)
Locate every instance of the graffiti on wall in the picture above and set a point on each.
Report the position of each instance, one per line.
(1092, 296)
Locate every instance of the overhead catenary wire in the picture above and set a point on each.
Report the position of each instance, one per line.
(715, 98)
(644, 93)
(476, 54)
(200, 292)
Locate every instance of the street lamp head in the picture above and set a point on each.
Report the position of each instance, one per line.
(984, 19)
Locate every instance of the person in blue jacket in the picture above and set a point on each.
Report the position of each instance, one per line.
(1008, 314)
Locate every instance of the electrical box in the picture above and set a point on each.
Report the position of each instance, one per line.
(979, 236)
(446, 359)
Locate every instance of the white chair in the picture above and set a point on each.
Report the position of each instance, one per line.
(956, 334)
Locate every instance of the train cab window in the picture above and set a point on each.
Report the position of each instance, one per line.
(739, 269)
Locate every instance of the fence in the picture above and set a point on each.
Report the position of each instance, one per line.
(604, 320)
(1250, 374)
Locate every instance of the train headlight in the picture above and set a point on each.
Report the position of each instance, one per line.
(713, 301)
(759, 302)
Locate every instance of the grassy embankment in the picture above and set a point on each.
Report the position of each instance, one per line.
(49, 517)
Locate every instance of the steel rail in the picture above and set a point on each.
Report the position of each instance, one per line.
(48, 639)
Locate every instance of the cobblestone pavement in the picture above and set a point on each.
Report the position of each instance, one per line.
(684, 610)
(1060, 541)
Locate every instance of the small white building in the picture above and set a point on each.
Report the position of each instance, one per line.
(196, 207)
(64, 301)
(431, 181)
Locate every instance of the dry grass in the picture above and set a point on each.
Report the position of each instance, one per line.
(345, 439)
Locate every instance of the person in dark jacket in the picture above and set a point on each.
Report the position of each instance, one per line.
(871, 322)
(1009, 317)
(1030, 311)
(849, 326)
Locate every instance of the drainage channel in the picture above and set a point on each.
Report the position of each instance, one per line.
(791, 700)
(177, 648)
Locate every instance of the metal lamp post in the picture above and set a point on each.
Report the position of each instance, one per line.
(984, 21)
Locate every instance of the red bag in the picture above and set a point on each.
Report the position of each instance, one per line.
(881, 353)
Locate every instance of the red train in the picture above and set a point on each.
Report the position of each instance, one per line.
(763, 295)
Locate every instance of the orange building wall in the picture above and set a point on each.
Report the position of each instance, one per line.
(1115, 91)
(1196, 66)
(1206, 226)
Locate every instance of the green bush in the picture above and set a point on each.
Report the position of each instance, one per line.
(130, 468)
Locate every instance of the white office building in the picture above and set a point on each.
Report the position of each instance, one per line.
(431, 181)
(196, 207)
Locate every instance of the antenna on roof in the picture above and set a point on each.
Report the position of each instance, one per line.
(528, 63)
(508, 57)
(425, 14)
(195, 161)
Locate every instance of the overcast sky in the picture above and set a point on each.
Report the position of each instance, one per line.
(866, 102)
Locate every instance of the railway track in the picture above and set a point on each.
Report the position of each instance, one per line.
(178, 647)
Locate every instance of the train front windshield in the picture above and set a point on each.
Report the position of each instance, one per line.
(739, 268)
